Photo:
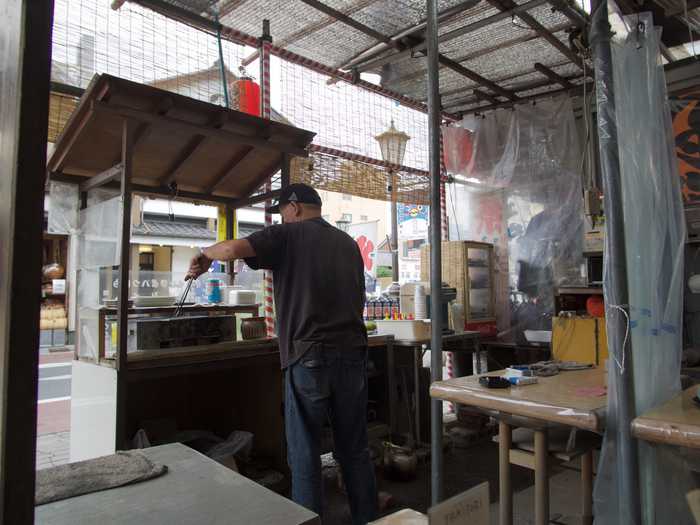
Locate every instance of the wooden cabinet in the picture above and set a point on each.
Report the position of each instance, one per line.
(468, 267)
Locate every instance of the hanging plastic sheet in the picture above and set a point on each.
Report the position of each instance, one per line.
(63, 208)
(654, 238)
(521, 191)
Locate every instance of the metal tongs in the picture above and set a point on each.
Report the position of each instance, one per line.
(178, 310)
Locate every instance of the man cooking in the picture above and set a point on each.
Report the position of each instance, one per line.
(319, 297)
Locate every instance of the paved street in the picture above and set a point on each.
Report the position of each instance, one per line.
(54, 381)
(54, 392)
(53, 409)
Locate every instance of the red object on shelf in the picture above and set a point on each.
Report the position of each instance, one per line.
(595, 306)
(248, 92)
(486, 329)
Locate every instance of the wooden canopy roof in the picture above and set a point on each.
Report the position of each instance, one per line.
(204, 148)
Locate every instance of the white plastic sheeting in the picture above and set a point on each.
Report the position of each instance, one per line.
(654, 237)
(521, 190)
(63, 208)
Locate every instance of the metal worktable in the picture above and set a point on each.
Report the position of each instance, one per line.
(464, 342)
(195, 490)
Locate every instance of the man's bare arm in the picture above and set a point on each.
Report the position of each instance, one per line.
(229, 250)
(222, 251)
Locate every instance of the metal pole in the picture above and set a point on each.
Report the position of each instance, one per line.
(616, 293)
(222, 68)
(435, 248)
(394, 230)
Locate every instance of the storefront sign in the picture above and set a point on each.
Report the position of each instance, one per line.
(413, 221)
(59, 286)
(365, 235)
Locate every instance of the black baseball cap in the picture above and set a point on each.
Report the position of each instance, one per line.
(302, 193)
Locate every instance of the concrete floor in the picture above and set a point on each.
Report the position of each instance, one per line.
(465, 468)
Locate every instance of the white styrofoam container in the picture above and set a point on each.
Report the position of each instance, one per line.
(241, 297)
(405, 330)
(538, 336)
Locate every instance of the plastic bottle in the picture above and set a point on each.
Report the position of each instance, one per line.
(378, 309)
(386, 308)
(395, 309)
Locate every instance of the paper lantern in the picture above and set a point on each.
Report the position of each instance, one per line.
(458, 149)
(595, 306)
(245, 96)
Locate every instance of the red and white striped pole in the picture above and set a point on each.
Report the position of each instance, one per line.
(366, 160)
(265, 44)
(445, 237)
(443, 195)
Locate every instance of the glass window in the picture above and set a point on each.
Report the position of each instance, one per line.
(363, 218)
(347, 217)
(347, 197)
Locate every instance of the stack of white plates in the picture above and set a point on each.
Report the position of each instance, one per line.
(144, 301)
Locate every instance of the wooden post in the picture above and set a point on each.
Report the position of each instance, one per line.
(230, 217)
(123, 290)
(24, 107)
(286, 169)
(541, 478)
(505, 491)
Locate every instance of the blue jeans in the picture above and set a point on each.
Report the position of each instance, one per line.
(330, 383)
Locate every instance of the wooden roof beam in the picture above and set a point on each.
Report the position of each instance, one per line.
(532, 98)
(482, 95)
(471, 75)
(179, 165)
(197, 129)
(230, 169)
(509, 5)
(409, 32)
(553, 76)
(577, 17)
(680, 10)
(107, 176)
(450, 35)
(312, 28)
(478, 53)
(464, 101)
(349, 21)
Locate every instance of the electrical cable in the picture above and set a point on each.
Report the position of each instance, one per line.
(621, 363)
(689, 26)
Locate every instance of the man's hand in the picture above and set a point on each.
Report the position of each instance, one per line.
(198, 265)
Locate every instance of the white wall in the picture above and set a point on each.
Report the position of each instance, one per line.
(181, 258)
(180, 209)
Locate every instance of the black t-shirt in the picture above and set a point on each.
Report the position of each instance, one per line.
(319, 285)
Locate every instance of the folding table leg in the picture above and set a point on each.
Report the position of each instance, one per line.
(541, 479)
(505, 491)
(587, 488)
